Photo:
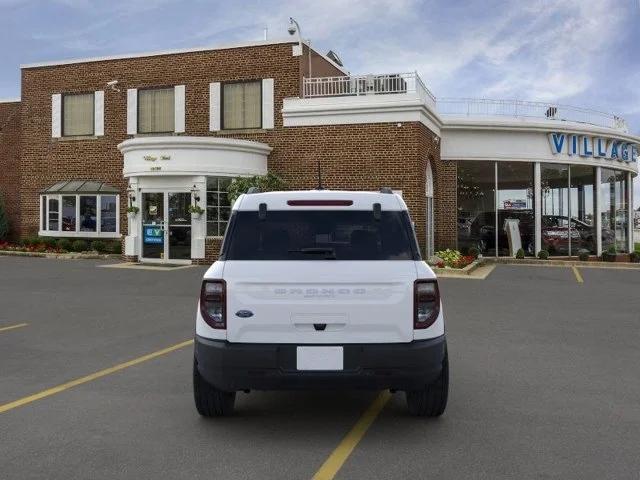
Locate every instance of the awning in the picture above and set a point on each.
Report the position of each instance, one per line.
(81, 186)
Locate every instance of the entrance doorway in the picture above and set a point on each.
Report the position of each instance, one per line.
(166, 227)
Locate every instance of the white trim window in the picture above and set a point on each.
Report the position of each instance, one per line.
(80, 215)
(218, 206)
(77, 114)
(242, 105)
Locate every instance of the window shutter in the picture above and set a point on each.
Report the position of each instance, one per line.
(214, 107)
(98, 111)
(267, 103)
(179, 110)
(132, 111)
(56, 115)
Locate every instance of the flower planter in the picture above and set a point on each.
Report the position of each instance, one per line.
(196, 216)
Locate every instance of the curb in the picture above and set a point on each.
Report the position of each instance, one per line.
(565, 263)
(61, 256)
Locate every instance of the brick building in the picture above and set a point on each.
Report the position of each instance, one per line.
(159, 132)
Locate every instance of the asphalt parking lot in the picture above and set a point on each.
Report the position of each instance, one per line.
(545, 383)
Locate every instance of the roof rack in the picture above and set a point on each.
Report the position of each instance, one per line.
(386, 190)
(251, 190)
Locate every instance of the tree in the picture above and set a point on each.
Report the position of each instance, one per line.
(266, 183)
(4, 220)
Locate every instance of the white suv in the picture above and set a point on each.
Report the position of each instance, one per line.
(320, 289)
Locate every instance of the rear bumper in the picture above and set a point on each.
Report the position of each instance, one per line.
(244, 366)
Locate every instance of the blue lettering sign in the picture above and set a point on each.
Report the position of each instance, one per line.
(557, 142)
(153, 235)
(586, 149)
(601, 147)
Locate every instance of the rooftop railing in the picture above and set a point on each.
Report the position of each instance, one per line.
(411, 83)
(357, 85)
(473, 107)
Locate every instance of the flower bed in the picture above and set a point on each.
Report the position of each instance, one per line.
(452, 259)
(47, 245)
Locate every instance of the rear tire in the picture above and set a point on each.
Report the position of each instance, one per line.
(211, 402)
(432, 400)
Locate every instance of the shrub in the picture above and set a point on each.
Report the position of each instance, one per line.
(543, 254)
(49, 242)
(98, 246)
(635, 256)
(115, 247)
(520, 253)
(4, 221)
(29, 241)
(474, 252)
(79, 246)
(610, 254)
(583, 255)
(64, 244)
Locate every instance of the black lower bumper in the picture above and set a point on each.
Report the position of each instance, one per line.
(244, 366)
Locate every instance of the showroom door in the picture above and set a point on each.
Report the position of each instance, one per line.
(179, 221)
(166, 227)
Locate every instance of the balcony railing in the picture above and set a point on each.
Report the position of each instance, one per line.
(411, 84)
(356, 85)
(473, 107)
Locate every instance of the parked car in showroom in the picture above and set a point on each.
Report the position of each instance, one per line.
(320, 290)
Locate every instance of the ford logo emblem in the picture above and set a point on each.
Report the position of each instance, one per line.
(244, 313)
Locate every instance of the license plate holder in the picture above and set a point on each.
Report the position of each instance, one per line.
(330, 358)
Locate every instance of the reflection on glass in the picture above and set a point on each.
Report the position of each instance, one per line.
(614, 210)
(218, 206)
(53, 213)
(69, 214)
(582, 209)
(108, 213)
(554, 182)
(476, 206)
(516, 219)
(87, 214)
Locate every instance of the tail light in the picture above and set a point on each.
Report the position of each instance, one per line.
(426, 303)
(213, 303)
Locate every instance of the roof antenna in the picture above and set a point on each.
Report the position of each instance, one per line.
(320, 187)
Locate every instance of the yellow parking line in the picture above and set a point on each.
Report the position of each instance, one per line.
(11, 327)
(337, 458)
(576, 272)
(94, 376)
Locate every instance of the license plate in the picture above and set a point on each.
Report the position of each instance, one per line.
(320, 358)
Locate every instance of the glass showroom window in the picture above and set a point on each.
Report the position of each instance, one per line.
(77, 215)
(614, 209)
(218, 206)
(554, 182)
(516, 219)
(242, 105)
(582, 209)
(156, 110)
(77, 114)
(477, 206)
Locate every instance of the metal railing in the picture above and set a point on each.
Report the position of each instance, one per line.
(474, 107)
(385, 84)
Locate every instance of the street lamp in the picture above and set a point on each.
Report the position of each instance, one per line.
(294, 27)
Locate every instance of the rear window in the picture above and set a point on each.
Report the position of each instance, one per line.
(320, 235)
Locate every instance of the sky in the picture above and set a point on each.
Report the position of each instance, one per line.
(577, 52)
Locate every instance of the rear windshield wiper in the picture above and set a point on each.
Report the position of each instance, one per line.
(329, 252)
